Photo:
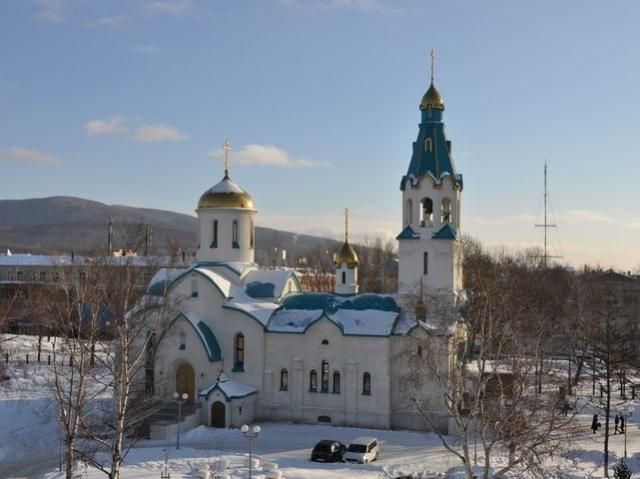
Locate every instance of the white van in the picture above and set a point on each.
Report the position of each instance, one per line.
(362, 450)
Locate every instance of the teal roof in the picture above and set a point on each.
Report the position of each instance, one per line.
(408, 233)
(209, 341)
(330, 303)
(435, 161)
(446, 233)
(259, 289)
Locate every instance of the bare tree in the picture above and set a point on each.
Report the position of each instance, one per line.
(486, 370)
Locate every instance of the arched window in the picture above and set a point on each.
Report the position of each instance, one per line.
(234, 235)
(324, 383)
(427, 211)
(446, 214)
(313, 381)
(238, 353)
(428, 144)
(425, 263)
(409, 212)
(284, 380)
(336, 382)
(183, 340)
(251, 234)
(366, 384)
(344, 277)
(214, 241)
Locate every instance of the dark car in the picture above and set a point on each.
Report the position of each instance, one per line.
(328, 451)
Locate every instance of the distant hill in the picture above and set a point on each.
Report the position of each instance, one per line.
(61, 224)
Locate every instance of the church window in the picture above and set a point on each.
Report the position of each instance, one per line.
(419, 351)
(336, 382)
(20, 275)
(409, 212)
(234, 235)
(194, 285)
(313, 381)
(43, 276)
(446, 216)
(214, 241)
(428, 145)
(284, 380)
(427, 211)
(344, 277)
(239, 353)
(366, 384)
(324, 383)
(325, 341)
(251, 234)
(425, 263)
(183, 341)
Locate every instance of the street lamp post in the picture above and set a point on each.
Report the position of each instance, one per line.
(179, 399)
(250, 434)
(627, 415)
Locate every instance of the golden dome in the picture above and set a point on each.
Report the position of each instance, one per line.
(433, 98)
(226, 194)
(346, 255)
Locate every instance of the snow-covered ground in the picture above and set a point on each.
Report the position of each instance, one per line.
(29, 443)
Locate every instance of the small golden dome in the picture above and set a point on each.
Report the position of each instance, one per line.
(226, 194)
(433, 98)
(346, 255)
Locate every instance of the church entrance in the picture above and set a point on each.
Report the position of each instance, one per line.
(185, 381)
(218, 414)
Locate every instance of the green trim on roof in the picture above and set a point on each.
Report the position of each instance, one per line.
(408, 233)
(208, 339)
(446, 233)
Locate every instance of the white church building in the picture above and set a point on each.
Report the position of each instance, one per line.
(248, 344)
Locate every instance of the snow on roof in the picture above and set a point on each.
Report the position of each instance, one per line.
(230, 388)
(256, 282)
(38, 260)
(368, 322)
(364, 315)
(223, 284)
(259, 310)
(205, 334)
(404, 324)
(293, 320)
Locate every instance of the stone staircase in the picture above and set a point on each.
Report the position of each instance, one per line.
(164, 420)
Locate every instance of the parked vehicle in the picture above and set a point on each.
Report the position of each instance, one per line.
(362, 450)
(328, 451)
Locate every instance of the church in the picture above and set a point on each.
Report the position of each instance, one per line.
(247, 344)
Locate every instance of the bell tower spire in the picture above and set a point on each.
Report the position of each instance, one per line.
(429, 250)
(346, 264)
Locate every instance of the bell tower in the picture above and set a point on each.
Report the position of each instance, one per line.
(429, 247)
(346, 264)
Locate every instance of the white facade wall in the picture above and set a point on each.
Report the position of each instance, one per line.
(445, 256)
(350, 285)
(352, 356)
(225, 250)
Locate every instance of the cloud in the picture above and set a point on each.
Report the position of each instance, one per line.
(587, 216)
(113, 21)
(26, 155)
(362, 5)
(114, 126)
(160, 132)
(51, 11)
(267, 155)
(150, 50)
(170, 7)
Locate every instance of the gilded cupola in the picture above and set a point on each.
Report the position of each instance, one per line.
(226, 193)
(346, 255)
(432, 97)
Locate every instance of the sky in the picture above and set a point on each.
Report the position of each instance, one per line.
(130, 101)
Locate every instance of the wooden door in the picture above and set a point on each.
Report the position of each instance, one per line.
(218, 414)
(185, 381)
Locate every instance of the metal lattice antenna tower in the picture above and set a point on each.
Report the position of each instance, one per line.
(546, 225)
